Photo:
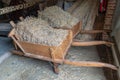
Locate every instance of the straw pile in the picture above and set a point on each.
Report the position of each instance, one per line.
(58, 18)
(38, 31)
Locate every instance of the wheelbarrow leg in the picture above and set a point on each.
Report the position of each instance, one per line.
(15, 45)
(55, 67)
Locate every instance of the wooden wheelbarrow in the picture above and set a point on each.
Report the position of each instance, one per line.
(56, 55)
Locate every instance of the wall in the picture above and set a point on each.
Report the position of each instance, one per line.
(116, 25)
(116, 34)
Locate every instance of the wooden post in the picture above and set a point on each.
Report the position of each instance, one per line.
(56, 70)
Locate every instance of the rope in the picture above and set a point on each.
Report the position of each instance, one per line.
(17, 7)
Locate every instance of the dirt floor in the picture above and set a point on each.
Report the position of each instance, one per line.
(22, 68)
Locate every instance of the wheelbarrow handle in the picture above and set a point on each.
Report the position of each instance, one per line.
(90, 64)
(68, 62)
(95, 31)
(13, 24)
(91, 43)
(11, 32)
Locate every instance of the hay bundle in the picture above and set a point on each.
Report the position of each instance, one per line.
(56, 17)
(37, 31)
